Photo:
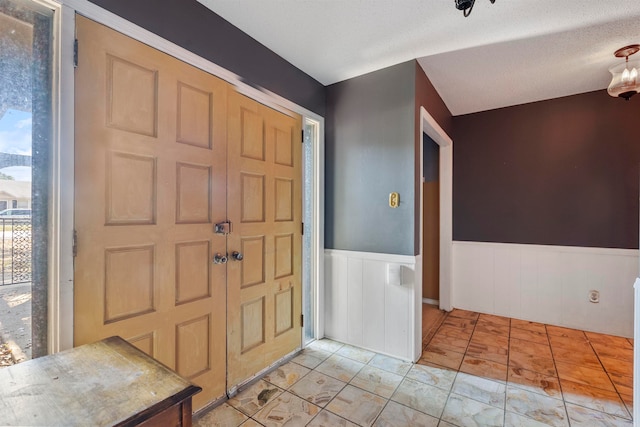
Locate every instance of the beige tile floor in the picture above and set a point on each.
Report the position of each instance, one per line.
(476, 370)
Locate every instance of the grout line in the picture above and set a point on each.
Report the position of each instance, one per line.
(553, 358)
(435, 328)
(506, 380)
(460, 366)
(606, 371)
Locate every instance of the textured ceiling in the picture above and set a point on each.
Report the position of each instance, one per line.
(508, 53)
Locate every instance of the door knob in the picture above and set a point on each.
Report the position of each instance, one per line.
(219, 259)
(237, 256)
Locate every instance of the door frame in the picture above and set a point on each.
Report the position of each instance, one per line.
(60, 204)
(429, 126)
(61, 209)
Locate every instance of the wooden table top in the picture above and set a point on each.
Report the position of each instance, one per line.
(109, 382)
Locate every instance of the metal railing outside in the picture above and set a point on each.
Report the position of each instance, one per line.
(15, 250)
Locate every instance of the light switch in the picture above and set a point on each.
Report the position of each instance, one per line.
(394, 274)
(394, 200)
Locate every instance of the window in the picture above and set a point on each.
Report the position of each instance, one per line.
(25, 139)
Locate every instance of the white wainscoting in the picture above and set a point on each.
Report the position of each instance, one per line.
(548, 284)
(372, 301)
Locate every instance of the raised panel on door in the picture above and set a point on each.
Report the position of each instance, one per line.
(264, 203)
(150, 182)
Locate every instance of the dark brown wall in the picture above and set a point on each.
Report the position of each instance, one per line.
(427, 97)
(189, 24)
(557, 172)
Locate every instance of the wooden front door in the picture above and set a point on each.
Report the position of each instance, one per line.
(164, 151)
(265, 208)
(150, 182)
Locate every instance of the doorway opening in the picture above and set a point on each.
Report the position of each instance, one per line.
(25, 137)
(430, 221)
(436, 234)
(432, 316)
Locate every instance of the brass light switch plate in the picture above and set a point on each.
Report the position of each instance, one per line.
(394, 200)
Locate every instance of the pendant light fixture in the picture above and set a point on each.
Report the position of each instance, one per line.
(625, 81)
(466, 6)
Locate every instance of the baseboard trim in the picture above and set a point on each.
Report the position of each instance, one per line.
(431, 301)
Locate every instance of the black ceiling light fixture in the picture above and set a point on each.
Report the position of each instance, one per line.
(466, 6)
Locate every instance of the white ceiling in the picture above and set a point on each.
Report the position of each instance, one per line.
(508, 53)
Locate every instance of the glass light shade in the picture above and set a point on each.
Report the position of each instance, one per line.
(625, 81)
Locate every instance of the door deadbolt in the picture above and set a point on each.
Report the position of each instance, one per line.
(236, 256)
(222, 228)
(219, 259)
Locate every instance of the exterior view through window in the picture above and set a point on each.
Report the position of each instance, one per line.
(308, 288)
(25, 123)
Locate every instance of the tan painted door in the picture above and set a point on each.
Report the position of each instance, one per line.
(150, 182)
(264, 203)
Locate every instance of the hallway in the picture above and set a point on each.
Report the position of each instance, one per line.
(477, 370)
